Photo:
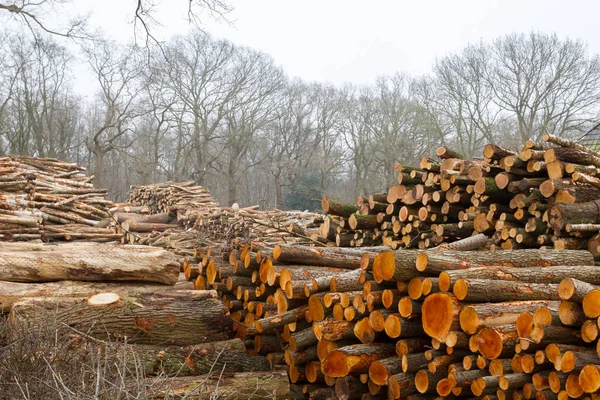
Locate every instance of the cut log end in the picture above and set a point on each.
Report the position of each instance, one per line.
(469, 320)
(591, 304)
(335, 365)
(103, 299)
(421, 263)
(437, 315)
(589, 378)
(460, 289)
(489, 343)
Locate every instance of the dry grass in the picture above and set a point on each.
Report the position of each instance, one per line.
(55, 362)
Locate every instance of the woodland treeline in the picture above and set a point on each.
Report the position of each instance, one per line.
(230, 118)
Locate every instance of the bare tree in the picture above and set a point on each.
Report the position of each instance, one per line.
(41, 16)
(546, 84)
(248, 114)
(292, 138)
(118, 72)
(329, 115)
(359, 110)
(394, 125)
(201, 73)
(457, 102)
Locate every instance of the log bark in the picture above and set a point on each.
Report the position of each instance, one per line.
(552, 274)
(227, 356)
(497, 291)
(474, 317)
(562, 214)
(20, 262)
(177, 317)
(338, 257)
(12, 292)
(436, 262)
(237, 386)
(334, 207)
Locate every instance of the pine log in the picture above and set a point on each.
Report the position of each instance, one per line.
(574, 289)
(137, 226)
(381, 370)
(177, 317)
(577, 192)
(497, 341)
(396, 266)
(401, 385)
(591, 304)
(21, 262)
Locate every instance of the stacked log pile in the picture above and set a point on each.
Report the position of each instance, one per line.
(132, 299)
(171, 208)
(449, 322)
(539, 197)
(171, 196)
(51, 200)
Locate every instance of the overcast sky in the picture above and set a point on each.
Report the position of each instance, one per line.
(355, 40)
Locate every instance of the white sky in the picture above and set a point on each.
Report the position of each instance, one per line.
(355, 40)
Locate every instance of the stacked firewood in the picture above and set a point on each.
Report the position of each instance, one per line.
(51, 200)
(171, 196)
(521, 199)
(448, 321)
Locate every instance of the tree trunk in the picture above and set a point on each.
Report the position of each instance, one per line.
(496, 291)
(562, 214)
(326, 257)
(176, 317)
(237, 386)
(552, 274)
(12, 292)
(86, 262)
(476, 316)
(198, 359)
(435, 262)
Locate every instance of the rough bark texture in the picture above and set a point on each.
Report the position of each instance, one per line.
(439, 261)
(237, 386)
(23, 262)
(177, 317)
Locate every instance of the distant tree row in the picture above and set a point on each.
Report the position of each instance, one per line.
(229, 118)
